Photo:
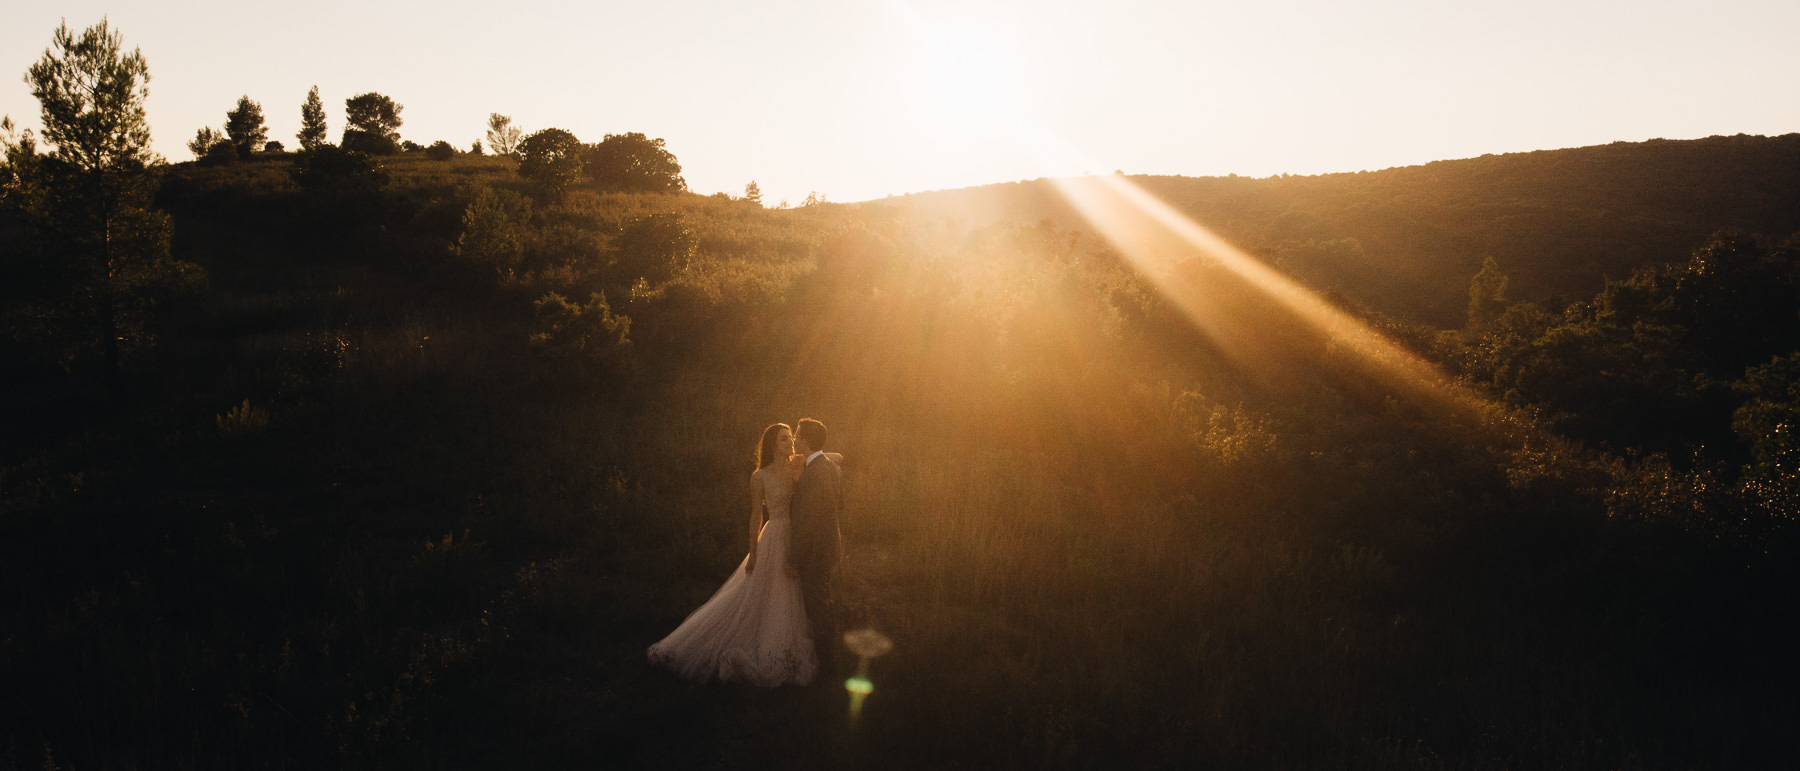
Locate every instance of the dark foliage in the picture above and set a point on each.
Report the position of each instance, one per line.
(634, 163)
(552, 159)
(417, 489)
(372, 124)
(244, 127)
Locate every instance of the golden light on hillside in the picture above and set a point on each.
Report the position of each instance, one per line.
(1158, 240)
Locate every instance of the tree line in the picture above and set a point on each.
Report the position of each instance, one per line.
(86, 251)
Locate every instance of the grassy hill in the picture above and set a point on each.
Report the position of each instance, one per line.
(1406, 240)
(403, 488)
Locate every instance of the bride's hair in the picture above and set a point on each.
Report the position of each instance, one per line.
(765, 449)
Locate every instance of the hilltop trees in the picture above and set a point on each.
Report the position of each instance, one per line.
(244, 127)
(753, 193)
(502, 135)
(552, 159)
(312, 121)
(203, 141)
(634, 163)
(104, 252)
(373, 124)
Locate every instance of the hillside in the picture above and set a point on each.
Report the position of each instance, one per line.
(421, 459)
(1407, 240)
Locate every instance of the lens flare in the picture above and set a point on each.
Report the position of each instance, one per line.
(867, 644)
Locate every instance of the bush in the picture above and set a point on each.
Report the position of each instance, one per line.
(339, 169)
(552, 159)
(440, 151)
(222, 153)
(494, 230)
(369, 143)
(570, 331)
(273, 147)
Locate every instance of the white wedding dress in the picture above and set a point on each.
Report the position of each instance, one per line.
(754, 628)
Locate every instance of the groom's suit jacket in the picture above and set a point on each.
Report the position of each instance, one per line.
(816, 545)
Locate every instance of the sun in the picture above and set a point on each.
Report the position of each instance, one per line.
(968, 79)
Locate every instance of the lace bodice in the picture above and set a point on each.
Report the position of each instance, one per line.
(778, 490)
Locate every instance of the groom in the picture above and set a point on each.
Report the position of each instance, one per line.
(816, 547)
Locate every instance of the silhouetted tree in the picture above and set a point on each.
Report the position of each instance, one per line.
(312, 121)
(502, 135)
(372, 124)
(440, 151)
(244, 126)
(273, 146)
(203, 141)
(551, 159)
(634, 163)
(752, 193)
(106, 246)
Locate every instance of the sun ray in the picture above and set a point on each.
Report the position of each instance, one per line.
(1157, 239)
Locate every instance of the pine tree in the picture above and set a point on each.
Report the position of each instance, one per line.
(103, 240)
(312, 121)
(244, 127)
(752, 193)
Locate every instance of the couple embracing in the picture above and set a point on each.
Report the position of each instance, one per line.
(773, 622)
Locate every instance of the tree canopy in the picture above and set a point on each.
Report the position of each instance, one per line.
(92, 96)
(372, 124)
(552, 159)
(634, 163)
(244, 126)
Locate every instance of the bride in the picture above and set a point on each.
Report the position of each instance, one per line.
(754, 629)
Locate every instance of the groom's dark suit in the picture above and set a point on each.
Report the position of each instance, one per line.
(816, 548)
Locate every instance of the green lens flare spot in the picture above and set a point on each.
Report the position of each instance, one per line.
(859, 686)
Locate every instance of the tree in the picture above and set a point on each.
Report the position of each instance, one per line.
(1487, 295)
(502, 135)
(552, 159)
(634, 163)
(109, 248)
(494, 230)
(203, 141)
(440, 151)
(373, 123)
(752, 193)
(244, 126)
(312, 121)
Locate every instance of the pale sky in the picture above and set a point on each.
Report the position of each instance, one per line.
(859, 99)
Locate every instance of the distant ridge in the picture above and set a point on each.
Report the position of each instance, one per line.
(1406, 240)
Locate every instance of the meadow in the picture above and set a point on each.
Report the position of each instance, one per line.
(402, 489)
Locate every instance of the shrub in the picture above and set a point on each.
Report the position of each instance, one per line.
(494, 230)
(222, 153)
(337, 168)
(245, 419)
(440, 151)
(569, 331)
